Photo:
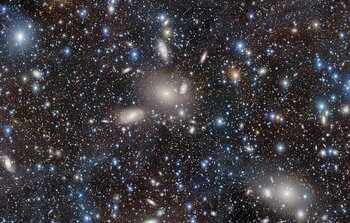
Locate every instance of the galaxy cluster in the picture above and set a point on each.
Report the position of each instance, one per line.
(153, 111)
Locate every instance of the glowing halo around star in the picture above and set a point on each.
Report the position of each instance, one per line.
(19, 37)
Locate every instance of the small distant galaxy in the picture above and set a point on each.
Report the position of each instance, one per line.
(152, 111)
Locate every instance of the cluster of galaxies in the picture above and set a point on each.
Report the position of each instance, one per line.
(150, 111)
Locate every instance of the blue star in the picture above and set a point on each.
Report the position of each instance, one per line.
(67, 51)
(134, 55)
(105, 31)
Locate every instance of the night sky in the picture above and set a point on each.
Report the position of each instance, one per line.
(152, 111)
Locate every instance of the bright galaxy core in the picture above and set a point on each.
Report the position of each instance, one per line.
(179, 111)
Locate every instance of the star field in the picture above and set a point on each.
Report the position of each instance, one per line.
(150, 111)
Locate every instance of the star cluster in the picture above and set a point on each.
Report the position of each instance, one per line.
(151, 111)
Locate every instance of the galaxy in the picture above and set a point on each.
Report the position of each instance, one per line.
(151, 111)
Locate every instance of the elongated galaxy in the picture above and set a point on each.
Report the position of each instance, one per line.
(152, 111)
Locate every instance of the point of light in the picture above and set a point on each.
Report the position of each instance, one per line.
(105, 31)
(280, 147)
(19, 36)
(67, 51)
(220, 121)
